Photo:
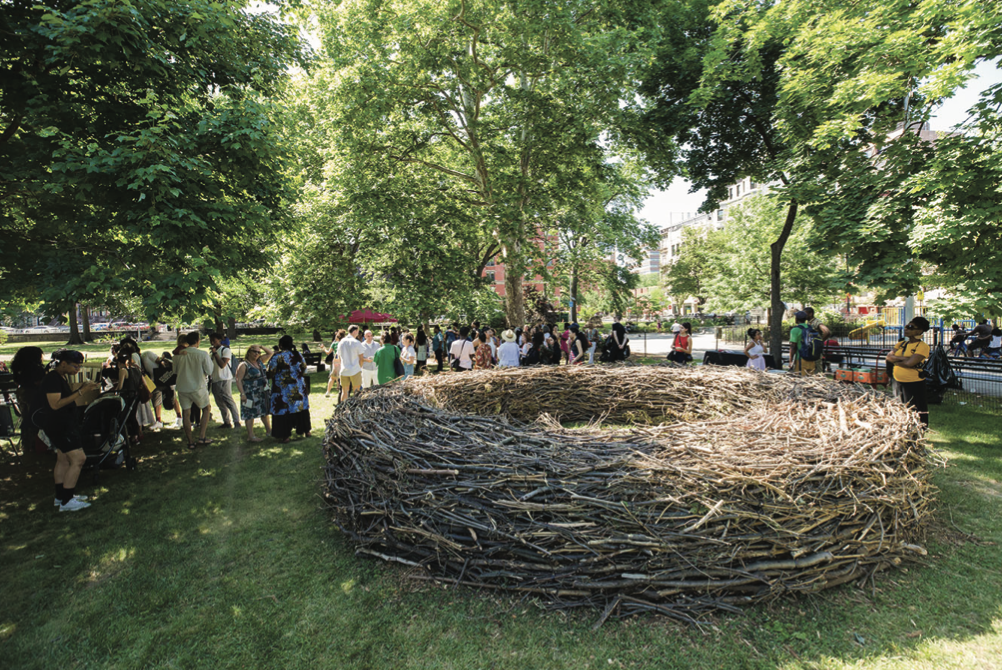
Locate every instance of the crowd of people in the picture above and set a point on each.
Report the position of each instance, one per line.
(358, 361)
(273, 385)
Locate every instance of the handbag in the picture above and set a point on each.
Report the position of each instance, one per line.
(398, 366)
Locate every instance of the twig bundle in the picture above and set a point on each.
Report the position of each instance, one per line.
(771, 485)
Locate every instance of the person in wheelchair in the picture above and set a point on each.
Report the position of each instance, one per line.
(54, 412)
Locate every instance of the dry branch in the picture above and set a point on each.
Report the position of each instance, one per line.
(739, 487)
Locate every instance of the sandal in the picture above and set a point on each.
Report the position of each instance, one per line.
(204, 442)
(191, 446)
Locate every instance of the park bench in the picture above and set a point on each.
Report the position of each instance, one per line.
(315, 359)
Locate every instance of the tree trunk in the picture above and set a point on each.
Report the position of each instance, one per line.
(74, 326)
(776, 344)
(514, 298)
(231, 328)
(574, 295)
(85, 311)
(513, 280)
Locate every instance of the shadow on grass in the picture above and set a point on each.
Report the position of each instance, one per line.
(223, 556)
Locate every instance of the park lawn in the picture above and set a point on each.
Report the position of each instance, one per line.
(225, 557)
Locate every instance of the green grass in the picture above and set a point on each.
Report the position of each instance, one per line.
(103, 349)
(224, 557)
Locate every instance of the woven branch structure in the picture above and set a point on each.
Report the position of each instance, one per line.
(729, 487)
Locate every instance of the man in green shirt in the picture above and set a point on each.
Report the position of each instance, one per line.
(796, 337)
(384, 360)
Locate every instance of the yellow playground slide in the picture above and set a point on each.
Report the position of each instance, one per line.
(864, 332)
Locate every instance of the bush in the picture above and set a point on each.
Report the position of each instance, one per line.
(3, 336)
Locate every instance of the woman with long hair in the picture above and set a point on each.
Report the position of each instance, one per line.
(331, 351)
(252, 383)
(421, 347)
(755, 350)
(290, 402)
(28, 371)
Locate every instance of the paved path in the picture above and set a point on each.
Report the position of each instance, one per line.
(660, 345)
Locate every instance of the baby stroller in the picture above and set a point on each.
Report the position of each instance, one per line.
(104, 433)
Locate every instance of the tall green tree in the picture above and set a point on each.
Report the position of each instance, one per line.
(739, 266)
(137, 152)
(501, 103)
(690, 274)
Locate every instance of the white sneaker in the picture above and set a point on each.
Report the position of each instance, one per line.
(80, 498)
(73, 505)
(156, 426)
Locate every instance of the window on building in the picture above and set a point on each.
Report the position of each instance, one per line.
(490, 276)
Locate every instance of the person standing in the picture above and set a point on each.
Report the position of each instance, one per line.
(28, 372)
(483, 359)
(577, 345)
(421, 347)
(755, 350)
(408, 356)
(335, 361)
(370, 374)
(222, 382)
(384, 358)
(252, 383)
(461, 352)
(350, 353)
(797, 335)
(594, 337)
(619, 341)
(908, 357)
(508, 352)
(438, 347)
(290, 401)
(565, 339)
(55, 413)
(192, 366)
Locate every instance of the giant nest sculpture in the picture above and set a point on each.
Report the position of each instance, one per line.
(680, 491)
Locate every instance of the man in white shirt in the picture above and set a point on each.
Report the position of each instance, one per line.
(462, 350)
(676, 327)
(222, 382)
(370, 375)
(191, 365)
(350, 353)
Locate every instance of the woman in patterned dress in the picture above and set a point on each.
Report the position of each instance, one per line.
(253, 386)
(482, 359)
(290, 405)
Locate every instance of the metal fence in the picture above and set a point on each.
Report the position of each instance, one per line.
(980, 378)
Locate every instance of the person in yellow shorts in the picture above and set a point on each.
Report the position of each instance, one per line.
(909, 357)
(797, 364)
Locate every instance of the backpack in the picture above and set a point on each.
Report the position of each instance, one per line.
(812, 346)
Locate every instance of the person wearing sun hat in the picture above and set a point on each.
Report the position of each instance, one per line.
(508, 352)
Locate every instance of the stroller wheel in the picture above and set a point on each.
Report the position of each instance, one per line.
(131, 463)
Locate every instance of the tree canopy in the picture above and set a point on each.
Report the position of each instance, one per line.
(137, 149)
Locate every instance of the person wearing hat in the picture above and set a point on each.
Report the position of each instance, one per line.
(796, 336)
(57, 416)
(908, 357)
(508, 352)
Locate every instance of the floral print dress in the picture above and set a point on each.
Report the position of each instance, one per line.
(256, 390)
(288, 384)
